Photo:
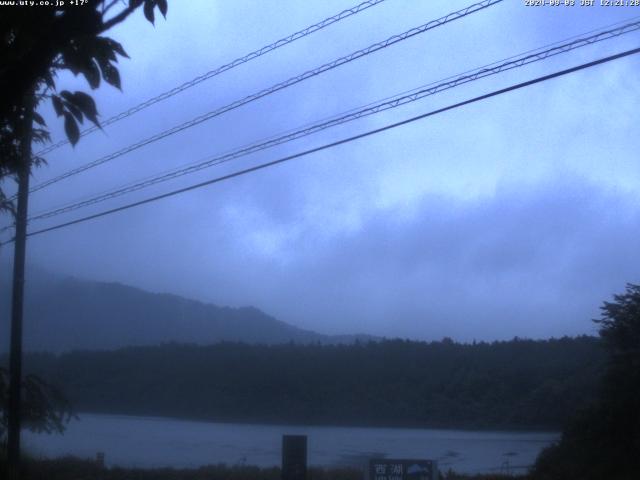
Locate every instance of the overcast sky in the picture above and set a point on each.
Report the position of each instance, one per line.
(516, 216)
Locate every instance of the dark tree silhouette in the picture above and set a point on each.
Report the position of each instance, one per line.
(39, 42)
(604, 441)
(36, 43)
(514, 384)
(44, 407)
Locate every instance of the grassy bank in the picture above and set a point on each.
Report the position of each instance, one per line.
(77, 469)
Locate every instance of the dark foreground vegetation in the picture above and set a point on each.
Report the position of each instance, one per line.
(430, 383)
(603, 442)
(75, 469)
(514, 384)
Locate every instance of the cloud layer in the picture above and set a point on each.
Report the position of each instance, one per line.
(511, 217)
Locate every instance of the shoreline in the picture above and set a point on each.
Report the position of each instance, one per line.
(66, 468)
(267, 423)
(157, 442)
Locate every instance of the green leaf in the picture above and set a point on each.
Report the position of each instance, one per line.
(88, 106)
(70, 105)
(162, 6)
(67, 95)
(103, 62)
(75, 111)
(38, 119)
(71, 128)
(102, 48)
(112, 76)
(109, 48)
(116, 47)
(92, 74)
(57, 105)
(148, 10)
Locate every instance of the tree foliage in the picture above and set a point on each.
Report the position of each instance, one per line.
(44, 407)
(520, 383)
(35, 45)
(604, 442)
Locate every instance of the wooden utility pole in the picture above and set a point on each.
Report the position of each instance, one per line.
(17, 298)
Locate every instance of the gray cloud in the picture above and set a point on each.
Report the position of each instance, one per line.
(511, 217)
(530, 261)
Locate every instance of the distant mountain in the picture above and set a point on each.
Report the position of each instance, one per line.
(63, 314)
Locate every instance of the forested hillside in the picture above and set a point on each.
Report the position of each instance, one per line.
(515, 384)
(64, 314)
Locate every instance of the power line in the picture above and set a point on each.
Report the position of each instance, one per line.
(221, 69)
(277, 87)
(340, 142)
(394, 102)
(602, 30)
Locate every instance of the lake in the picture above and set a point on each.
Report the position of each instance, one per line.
(161, 442)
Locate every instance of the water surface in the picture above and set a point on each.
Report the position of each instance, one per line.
(160, 442)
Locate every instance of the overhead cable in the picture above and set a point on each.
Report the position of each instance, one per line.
(275, 88)
(394, 102)
(369, 133)
(221, 69)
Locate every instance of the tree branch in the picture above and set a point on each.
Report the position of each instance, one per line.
(106, 8)
(117, 19)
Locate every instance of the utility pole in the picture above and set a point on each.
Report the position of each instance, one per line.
(17, 298)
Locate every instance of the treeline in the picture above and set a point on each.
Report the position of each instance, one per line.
(513, 384)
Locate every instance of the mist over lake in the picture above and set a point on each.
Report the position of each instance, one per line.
(159, 442)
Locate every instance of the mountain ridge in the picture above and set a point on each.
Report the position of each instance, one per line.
(68, 313)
